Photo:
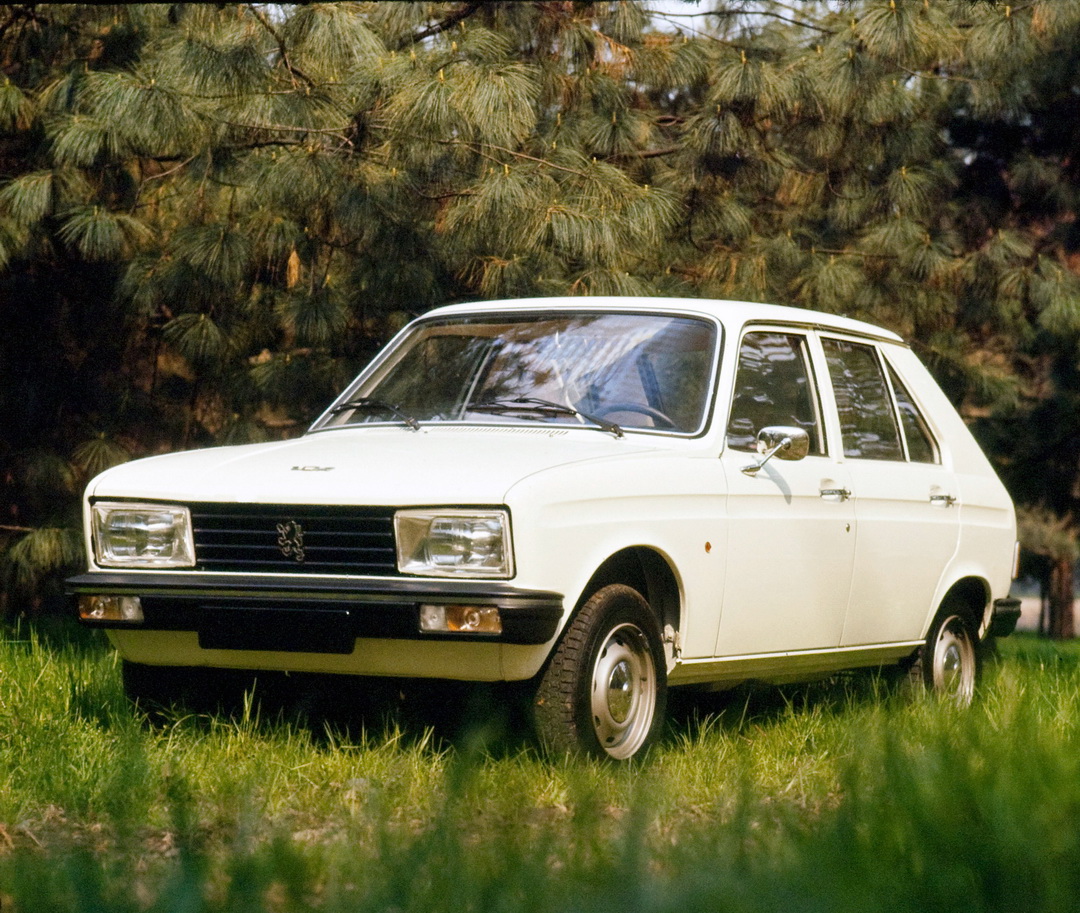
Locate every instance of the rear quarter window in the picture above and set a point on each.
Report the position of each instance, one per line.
(921, 446)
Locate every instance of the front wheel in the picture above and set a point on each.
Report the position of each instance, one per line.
(948, 663)
(604, 689)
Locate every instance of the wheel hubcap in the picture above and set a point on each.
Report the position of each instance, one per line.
(954, 662)
(620, 693)
(623, 691)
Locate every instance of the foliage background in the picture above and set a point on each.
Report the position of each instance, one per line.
(211, 215)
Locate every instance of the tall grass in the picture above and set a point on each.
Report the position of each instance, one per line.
(843, 795)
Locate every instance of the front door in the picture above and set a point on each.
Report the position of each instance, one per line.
(791, 539)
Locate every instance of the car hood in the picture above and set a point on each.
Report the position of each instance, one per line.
(378, 466)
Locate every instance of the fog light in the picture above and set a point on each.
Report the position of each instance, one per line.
(460, 619)
(110, 608)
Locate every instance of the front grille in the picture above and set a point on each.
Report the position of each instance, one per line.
(294, 539)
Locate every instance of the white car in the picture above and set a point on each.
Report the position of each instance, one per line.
(603, 497)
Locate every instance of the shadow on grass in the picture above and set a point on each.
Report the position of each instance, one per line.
(486, 718)
(491, 719)
(693, 711)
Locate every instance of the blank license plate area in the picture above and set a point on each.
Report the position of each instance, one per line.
(278, 630)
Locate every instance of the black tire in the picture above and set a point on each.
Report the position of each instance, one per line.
(948, 663)
(604, 690)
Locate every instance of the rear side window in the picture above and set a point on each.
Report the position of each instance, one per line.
(774, 385)
(867, 419)
(920, 442)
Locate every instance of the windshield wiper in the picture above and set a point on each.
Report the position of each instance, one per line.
(370, 403)
(543, 407)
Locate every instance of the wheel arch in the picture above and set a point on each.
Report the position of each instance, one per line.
(650, 573)
(969, 596)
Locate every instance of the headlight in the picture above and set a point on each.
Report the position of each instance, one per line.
(142, 535)
(454, 543)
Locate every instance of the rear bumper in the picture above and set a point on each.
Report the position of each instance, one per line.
(1003, 619)
(314, 614)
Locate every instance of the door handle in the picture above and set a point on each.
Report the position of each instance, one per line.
(942, 500)
(834, 494)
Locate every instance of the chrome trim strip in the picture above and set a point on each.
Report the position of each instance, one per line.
(790, 666)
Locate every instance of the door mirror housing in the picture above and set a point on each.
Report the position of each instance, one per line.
(781, 441)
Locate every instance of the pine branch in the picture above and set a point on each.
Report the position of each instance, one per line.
(515, 154)
(944, 77)
(337, 132)
(293, 70)
(642, 154)
(479, 148)
(768, 14)
(846, 252)
(460, 14)
(169, 171)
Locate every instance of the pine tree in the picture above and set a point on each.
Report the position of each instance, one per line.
(64, 232)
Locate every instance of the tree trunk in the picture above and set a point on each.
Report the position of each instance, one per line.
(1060, 623)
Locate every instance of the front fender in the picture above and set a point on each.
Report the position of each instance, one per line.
(568, 522)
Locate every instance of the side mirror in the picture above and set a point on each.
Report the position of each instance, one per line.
(781, 441)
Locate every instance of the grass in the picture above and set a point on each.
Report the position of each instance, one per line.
(840, 795)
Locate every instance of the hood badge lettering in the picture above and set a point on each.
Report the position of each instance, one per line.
(312, 468)
(290, 540)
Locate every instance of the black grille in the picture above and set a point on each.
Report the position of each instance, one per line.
(294, 539)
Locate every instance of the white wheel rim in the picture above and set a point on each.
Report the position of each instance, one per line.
(954, 662)
(623, 694)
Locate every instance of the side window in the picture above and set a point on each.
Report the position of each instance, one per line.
(867, 420)
(774, 385)
(920, 442)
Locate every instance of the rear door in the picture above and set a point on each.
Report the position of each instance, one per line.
(905, 498)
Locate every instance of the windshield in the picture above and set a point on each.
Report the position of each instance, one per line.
(633, 371)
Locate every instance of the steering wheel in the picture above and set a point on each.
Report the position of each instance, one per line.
(655, 414)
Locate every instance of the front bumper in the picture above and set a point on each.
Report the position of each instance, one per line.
(314, 614)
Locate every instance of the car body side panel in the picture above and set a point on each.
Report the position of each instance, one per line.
(905, 541)
(790, 554)
(987, 522)
(587, 512)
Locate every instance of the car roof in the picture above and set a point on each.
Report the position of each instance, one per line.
(733, 314)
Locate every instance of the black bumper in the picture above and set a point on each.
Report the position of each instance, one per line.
(314, 614)
(1004, 618)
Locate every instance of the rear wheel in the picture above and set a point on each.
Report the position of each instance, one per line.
(603, 691)
(948, 663)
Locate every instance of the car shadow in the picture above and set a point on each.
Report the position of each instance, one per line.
(692, 711)
(475, 718)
